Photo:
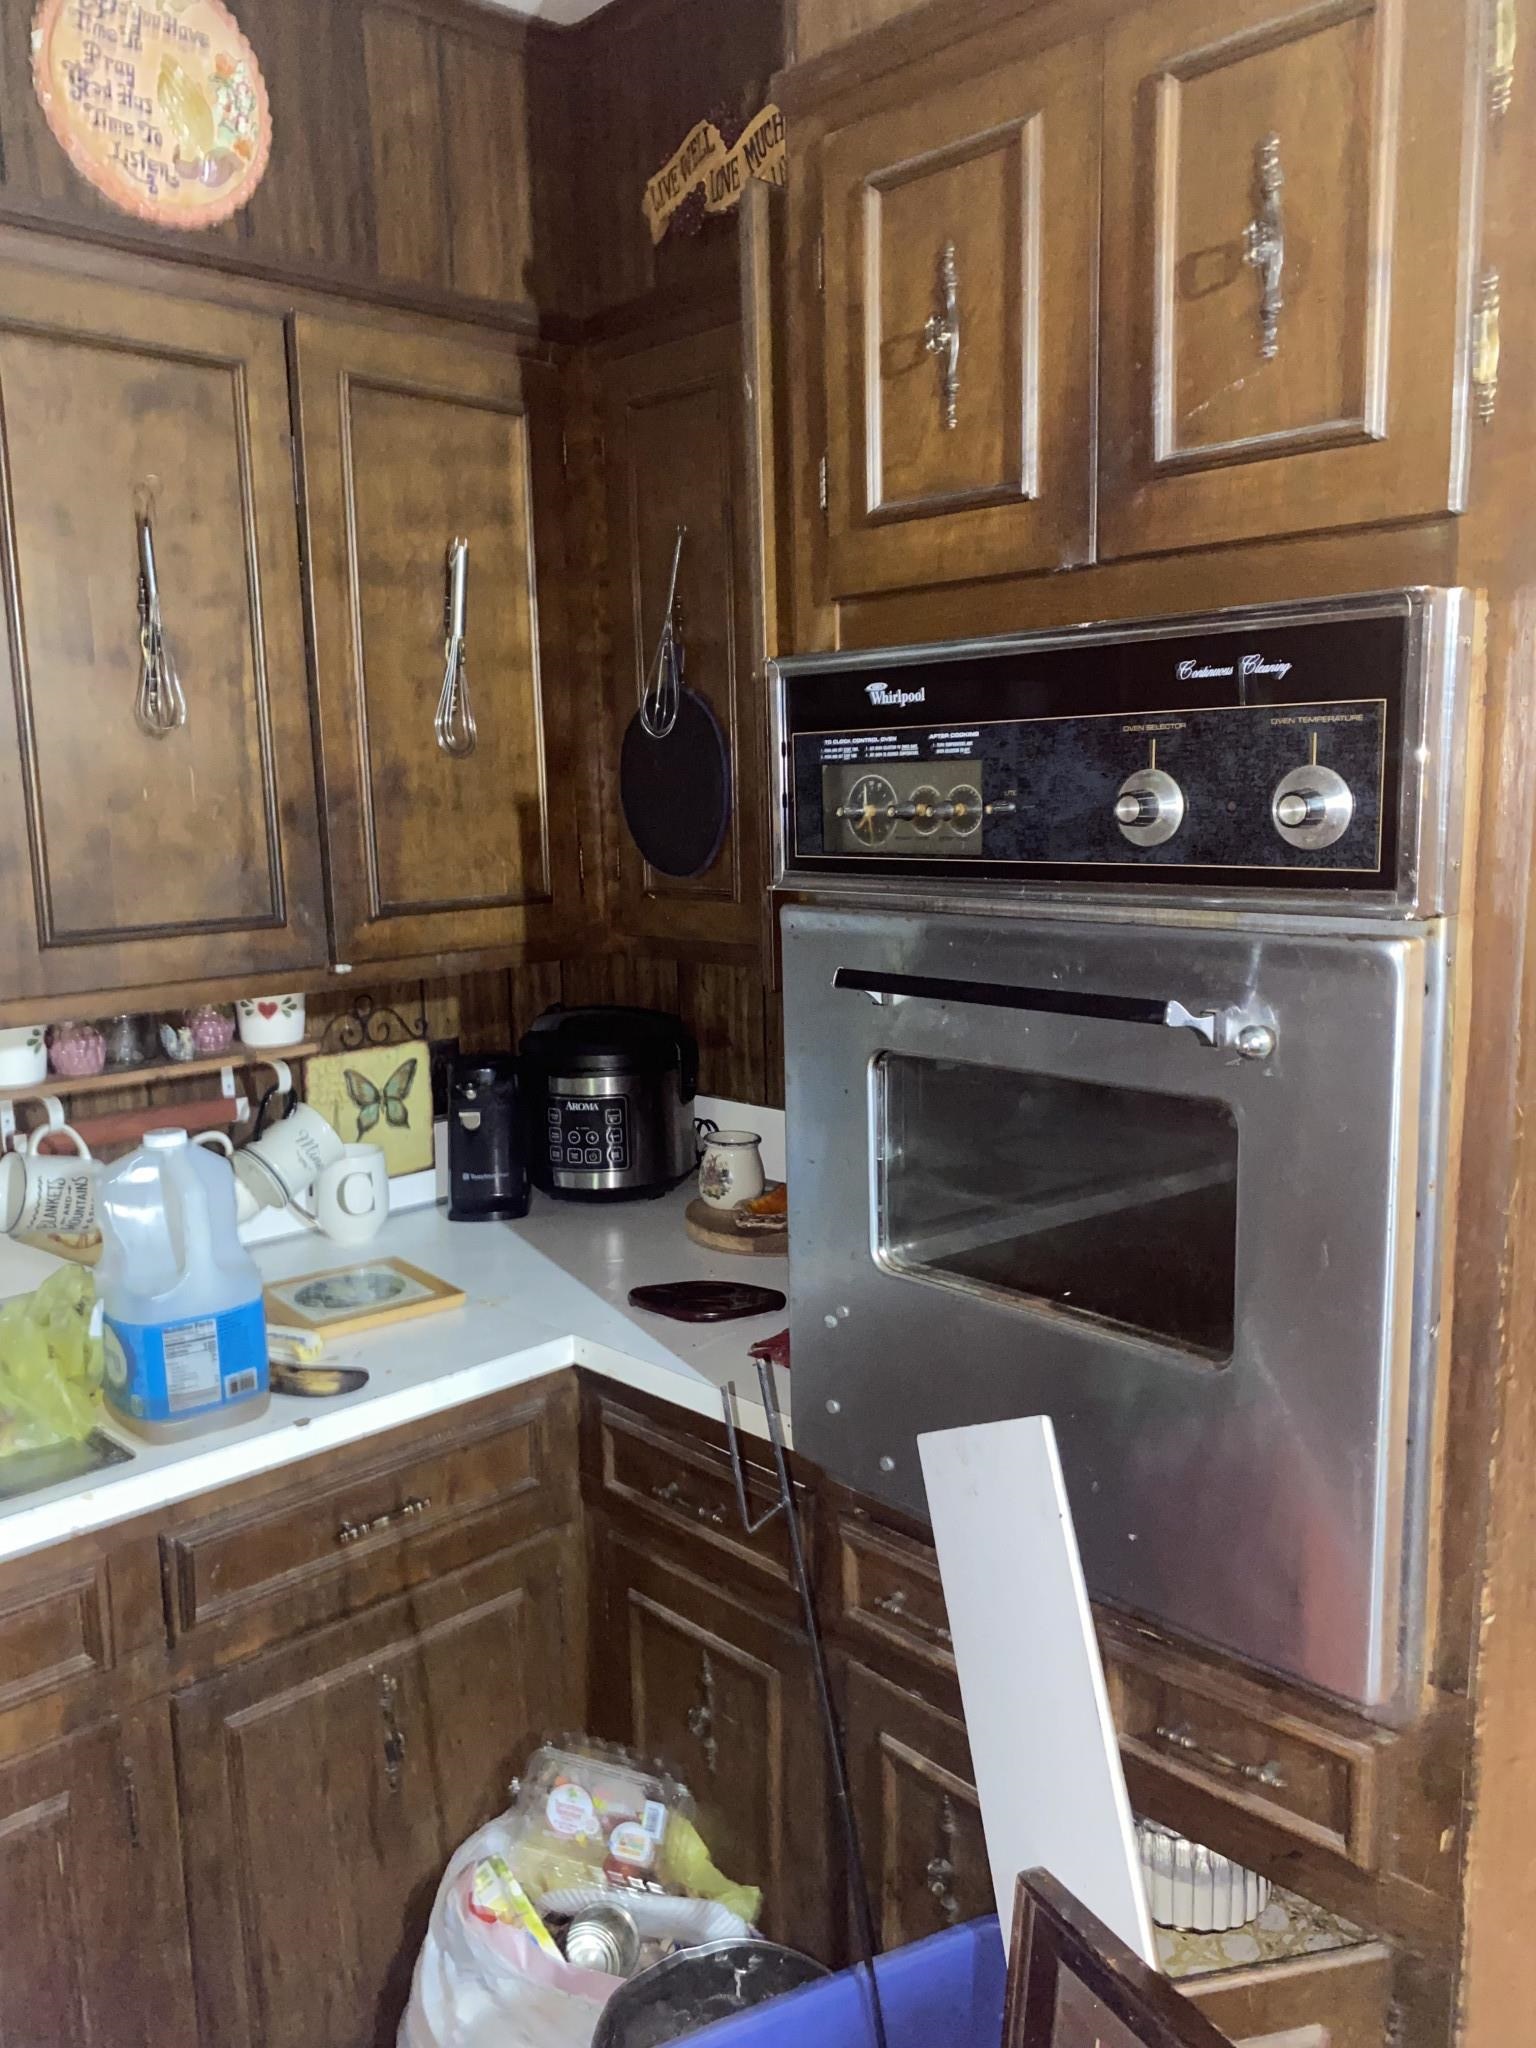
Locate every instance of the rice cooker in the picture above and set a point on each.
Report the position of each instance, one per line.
(610, 1102)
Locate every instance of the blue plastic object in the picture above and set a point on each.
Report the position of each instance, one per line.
(945, 1992)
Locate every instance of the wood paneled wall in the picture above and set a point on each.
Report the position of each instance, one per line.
(650, 69)
(434, 153)
(821, 25)
(422, 151)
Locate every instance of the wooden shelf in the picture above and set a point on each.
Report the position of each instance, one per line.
(239, 1057)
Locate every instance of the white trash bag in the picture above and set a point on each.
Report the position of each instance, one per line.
(483, 1983)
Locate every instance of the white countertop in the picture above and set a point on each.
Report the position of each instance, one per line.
(547, 1292)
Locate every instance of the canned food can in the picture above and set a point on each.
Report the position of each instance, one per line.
(603, 1937)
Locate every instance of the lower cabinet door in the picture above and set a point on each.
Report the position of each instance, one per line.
(699, 1677)
(925, 1858)
(94, 1947)
(324, 1786)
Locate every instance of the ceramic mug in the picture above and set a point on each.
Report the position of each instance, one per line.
(29, 1143)
(271, 1020)
(46, 1196)
(351, 1196)
(23, 1055)
(731, 1171)
(284, 1161)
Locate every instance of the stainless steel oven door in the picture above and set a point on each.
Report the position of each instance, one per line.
(1171, 1184)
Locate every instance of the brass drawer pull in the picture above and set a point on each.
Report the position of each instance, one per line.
(1269, 1774)
(408, 1510)
(895, 1605)
(939, 1876)
(672, 1496)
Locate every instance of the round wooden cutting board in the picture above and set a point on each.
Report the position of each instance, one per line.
(722, 1230)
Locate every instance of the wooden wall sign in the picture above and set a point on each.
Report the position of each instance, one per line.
(705, 174)
(162, 108)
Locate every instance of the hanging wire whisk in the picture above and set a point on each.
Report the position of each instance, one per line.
(454, 724)
(160, 705)
(661, 699)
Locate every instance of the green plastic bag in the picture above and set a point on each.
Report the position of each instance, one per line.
(50, 1364)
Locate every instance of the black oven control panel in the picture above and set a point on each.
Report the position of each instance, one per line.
(1229, 752)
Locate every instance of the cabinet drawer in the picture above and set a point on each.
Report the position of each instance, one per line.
(1319, 1784)
(337, 1543)
(889, 1589)
(1338, 2000)
(687, 1484)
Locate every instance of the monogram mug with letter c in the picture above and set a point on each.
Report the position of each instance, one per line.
(351, 1196)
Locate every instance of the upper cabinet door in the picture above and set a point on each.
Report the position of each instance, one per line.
(676, 455)
(1286, 269)
(440, 841)
(132, 857)
(958, 245)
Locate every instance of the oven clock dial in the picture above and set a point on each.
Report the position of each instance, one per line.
(965, 809)
(925, 802)
(870, 810)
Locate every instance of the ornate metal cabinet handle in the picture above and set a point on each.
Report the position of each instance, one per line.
(895, 1604)
(455, 721)
(1264, 242)
(701, 1718)
(1269, 1774)
(672, 1496)
(1501, 69)
(941, 335)
(394, 1734)
(354, 1532)
(160, 706)
(1485, 346)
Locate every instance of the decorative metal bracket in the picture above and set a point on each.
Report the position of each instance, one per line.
(369, 1023)
(1264, 242)
(941, 335)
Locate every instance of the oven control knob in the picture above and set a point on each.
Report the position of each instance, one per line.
(1312, 808)
(1150, 807)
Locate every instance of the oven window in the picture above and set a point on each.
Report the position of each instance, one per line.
(1113, 1204)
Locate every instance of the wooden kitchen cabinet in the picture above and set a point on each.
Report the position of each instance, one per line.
(909, 1766)
(675, 442)
(695, 1671)
(131, 858)
(325, 1784)
(959, 252)
(411, 440)
(95, 1944)
(1286, 269)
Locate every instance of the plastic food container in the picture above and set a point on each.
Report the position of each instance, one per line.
(582, 1816)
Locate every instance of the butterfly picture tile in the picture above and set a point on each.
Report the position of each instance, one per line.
(379, 1095)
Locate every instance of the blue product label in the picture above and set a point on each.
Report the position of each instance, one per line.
(173, 1372)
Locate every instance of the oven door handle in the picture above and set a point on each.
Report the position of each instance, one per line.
(1248, 1031)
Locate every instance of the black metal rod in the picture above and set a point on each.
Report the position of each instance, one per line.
(832, 1728)
(1000, 995)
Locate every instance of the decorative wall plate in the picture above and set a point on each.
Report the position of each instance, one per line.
(162, 108)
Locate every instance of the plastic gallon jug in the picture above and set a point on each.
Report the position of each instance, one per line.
(185, 1332)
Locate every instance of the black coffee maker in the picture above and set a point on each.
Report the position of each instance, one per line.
(487, 1160)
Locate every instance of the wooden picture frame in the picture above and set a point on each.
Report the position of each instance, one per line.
(1074, 1984)
(365, 1295)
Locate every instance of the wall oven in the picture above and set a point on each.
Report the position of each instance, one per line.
(1116, 1006)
